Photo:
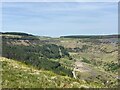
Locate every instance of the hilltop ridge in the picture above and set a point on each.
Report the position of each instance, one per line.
(93, 36)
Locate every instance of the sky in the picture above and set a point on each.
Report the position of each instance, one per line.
(60, 18)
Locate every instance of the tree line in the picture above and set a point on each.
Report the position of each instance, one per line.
(39, 56)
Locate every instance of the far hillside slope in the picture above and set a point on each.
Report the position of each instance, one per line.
(92, 36)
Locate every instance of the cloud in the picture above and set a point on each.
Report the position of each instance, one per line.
(60, 0)
(60, 9)
(60, 18)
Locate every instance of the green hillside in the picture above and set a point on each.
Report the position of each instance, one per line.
(19, 75)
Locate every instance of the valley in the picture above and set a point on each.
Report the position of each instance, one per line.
(64, 62)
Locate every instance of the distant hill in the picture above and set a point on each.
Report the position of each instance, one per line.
(18, 36)
(92, 36)
(70, 36)
(17, 33)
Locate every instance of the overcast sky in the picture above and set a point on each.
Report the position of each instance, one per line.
(60, 18)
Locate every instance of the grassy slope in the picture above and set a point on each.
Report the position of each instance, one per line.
(16, 74)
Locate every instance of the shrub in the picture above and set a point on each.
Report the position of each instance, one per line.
(85, 60)
(38, 56)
